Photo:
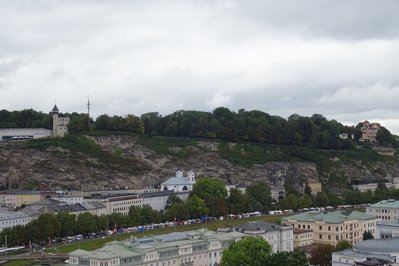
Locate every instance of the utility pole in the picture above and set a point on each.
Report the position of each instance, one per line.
(6, 245)
(88, 110)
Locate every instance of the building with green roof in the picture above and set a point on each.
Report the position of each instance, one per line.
(387, 210)
(332, 227)
(199, 247)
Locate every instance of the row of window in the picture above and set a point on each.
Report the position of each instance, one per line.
(338, 237)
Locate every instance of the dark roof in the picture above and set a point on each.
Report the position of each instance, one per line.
(258, 226)
(161, 193)
(55, 109)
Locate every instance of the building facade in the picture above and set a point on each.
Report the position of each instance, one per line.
(384, 251)
(195, 248)
(179, 183)
(387, 230)
(280, 237)
(11, 219)
(158, 200)
(60, 123)
(116, 203)
(387, 210)
(302, 237)
(332, 227)
(369, 131)
(17, 198)
(7, 134)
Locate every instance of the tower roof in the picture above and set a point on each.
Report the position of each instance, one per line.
(55, 109)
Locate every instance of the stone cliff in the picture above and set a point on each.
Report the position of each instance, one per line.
(130, 164)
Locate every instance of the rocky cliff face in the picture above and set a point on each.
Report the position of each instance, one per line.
(134, 166)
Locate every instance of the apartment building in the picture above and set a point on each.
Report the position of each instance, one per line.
(369, 131)
(117, 203)
(302, 237)
(16, 198)
(387, 210)
(195, 248)
(11, 219)
(332, 227)
(280, 237)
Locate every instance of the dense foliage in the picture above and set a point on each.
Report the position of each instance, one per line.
(322, 255)
(255, 126)
(25, 119)
(252, 251)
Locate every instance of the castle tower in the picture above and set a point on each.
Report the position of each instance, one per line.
(60, 123)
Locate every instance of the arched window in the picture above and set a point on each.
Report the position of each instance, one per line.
(185, 188)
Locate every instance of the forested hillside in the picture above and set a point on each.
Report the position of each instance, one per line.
(253, 126)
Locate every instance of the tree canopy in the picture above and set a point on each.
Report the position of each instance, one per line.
(249, 251)
(252, 251)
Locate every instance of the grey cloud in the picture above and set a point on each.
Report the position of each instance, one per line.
(281, 57)
(358, 19)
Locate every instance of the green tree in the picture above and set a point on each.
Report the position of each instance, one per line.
(322, 255)
(214, 192)
(259, 192)
(367, 235)
(289, 202)
(249, 251)
(102, 222)
(86, 223)
(177, 212)
(196, 207)
(68, 223)
(295, 258)
(342, 245)
(135, 218)
(305, 201)
(48, 225)
(149, 215)
(236, 202)
(321, 199)
(172, 199)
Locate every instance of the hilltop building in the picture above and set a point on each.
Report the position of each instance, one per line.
(369, 131)
(60, 128)
(60, 123)
(179, 183)
(195, 248)
(332, 227)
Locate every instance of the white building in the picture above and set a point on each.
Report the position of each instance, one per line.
(387, 230)
(387, 210)
(24, 133)
(384, 250)
(280, 237)
(117, 203)
(69, 198)
(157, 200)
(194, 248)
(11, 219)
(277, 193)
(179, 183)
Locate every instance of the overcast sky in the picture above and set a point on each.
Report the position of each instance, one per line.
(338, 58)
